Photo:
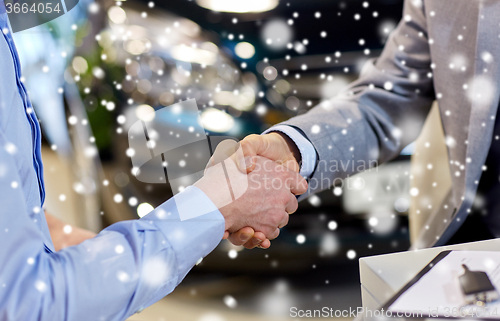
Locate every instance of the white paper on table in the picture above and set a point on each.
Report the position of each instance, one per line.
(439, 289)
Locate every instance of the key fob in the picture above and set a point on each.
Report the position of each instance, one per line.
(477, 287)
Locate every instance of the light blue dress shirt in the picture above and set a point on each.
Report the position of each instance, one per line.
(125, 268)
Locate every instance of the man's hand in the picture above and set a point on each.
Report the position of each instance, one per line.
(248, 238)
(275, 146)
(64, 235)
(266, 203)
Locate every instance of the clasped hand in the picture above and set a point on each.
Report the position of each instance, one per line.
(266, 166)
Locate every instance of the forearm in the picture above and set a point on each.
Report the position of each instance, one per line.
(93, 280)
(64, 235)
(127, 267)
(375, 117)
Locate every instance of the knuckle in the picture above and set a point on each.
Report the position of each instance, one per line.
(285, 196)
(259, 235)
(268, 231)
(235, 241)
(245, 147)
(276, 219)
(255, 241)
(253, 138)
(282, 174)
(285, 219)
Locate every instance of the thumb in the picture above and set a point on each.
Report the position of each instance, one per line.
(209, 164)
(251, 147)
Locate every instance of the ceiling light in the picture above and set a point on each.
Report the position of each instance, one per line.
(196, 55)
(242, 100)
(145, 113)
(240, 6)
(216, 120)
(270, 73)
(117, 15)
(244, 50)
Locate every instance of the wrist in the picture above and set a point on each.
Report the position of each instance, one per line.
(287, 141)
(213, 192)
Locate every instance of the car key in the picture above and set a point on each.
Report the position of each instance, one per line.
(477, 287)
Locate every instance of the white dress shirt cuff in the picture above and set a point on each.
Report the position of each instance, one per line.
(307, 150)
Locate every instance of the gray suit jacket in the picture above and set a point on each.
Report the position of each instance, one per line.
(447, 50)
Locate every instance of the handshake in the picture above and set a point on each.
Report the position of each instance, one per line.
(265, 169)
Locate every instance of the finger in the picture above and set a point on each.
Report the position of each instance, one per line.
(259, 235)
(292, 164)
(243, 163)
(242, 236)
(224, 150)
(227, 149)
(226, 235)
(241, 160)
(265, 244)
(251, 146)
(284, 220)
(298, 185)
(292, 204)
(274, 234)
(209, 164)
(254, 242)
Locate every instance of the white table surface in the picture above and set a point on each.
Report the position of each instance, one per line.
(382, 276)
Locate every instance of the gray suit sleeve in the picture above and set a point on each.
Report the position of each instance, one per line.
(375, 117)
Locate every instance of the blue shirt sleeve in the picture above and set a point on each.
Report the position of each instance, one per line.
(125, 268)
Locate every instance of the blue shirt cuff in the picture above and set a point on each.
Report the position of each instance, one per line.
(307, 150)
(192, 238)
